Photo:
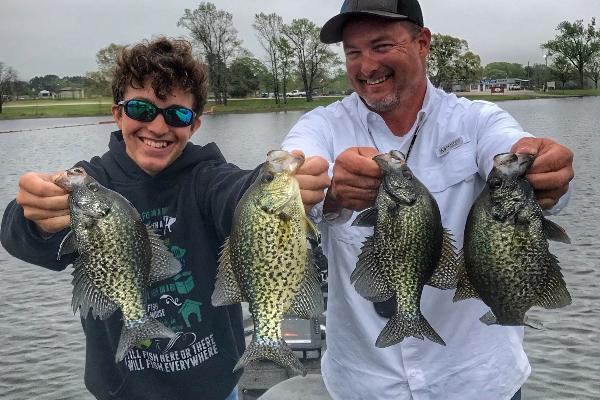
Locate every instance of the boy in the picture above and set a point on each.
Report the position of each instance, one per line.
(188, 194)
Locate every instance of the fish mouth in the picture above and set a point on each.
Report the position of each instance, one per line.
(69, 178)
(283, 161)
(390, 161)
(525, 160)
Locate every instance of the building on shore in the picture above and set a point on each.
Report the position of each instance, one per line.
(71, 93)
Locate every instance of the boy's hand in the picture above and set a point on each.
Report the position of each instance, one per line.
(551, 171)
(43, 202)
(313, 180)
(356, 178)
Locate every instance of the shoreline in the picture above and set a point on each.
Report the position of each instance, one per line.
(86, 108)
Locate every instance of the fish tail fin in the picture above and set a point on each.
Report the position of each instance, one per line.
(277, 351)
(134, 332)
(401, 326)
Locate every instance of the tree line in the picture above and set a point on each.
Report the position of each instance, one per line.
(295, 58)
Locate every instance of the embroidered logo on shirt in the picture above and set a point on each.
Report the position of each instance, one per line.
(445, 149)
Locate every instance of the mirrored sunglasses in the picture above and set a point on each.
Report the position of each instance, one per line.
(145, 111)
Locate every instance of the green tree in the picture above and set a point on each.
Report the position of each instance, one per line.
(245, 76)
(286, 61)
(562, 70)
(450, 61)
(47, 82)
(592, 70)
(8, 76)
(445, 51)
(268, 28)
(213, 31)
(313, 58)
(498, 70)
(468, 68)
(576, 43)
(106, 58)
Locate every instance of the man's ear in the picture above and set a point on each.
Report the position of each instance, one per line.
(195, 126)
(117, 114)
(425, 41)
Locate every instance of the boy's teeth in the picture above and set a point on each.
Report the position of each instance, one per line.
(156, 144)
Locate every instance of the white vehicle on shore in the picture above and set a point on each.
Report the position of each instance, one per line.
(296, 93)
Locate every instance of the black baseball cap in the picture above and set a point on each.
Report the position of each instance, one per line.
(401, 10)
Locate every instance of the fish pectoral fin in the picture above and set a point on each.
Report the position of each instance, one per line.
(227, 289)
(368, 278)
(163, 263)
(555, 294)
(445, 275)
(366, 218)
(464, 288)
(555, 232)
(308, 302)
(87, 296)
(311, 230)
(68, 245)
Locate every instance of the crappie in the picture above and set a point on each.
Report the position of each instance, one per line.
(409, 248)
(119, 257)
(507, 262)
(266, 262)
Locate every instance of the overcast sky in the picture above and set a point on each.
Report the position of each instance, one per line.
(62, 37)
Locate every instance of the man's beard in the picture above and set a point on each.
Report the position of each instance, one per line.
(384, 105)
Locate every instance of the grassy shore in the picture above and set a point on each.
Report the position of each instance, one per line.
(102, 106)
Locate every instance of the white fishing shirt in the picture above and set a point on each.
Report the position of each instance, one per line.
(452, 156)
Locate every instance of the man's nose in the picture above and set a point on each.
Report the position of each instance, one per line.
(368, 65)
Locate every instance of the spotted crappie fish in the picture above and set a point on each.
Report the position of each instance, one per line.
(409, 248)
(119, 257)
(507, 263)
(266, 262)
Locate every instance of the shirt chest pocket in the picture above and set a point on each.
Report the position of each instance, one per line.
(451, 169)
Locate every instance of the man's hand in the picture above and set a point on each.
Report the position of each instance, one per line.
(356, 178)
(551, 171)
(313, 180)
(43, 202)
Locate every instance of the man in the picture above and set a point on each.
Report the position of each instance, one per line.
(449, 143)
(188, 193)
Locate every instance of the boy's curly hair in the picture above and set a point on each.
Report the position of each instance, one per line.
(167, 64)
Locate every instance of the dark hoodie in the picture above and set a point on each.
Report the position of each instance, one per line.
(191, 204)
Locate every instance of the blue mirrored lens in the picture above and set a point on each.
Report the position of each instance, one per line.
(140, 110)
(178, 116)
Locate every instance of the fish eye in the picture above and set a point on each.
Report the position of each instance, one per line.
(407, 174)
(93, 186)
(267, 177)
(495, 183)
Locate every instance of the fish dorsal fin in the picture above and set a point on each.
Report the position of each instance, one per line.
(367, 277)
(87, 296)
(311, 230)
(163, 264)
(366, 218)
(555, 232)
(308, 302)
(445, 275)
(555, 294)
(464, 288)
(227, 289)
(68, 245)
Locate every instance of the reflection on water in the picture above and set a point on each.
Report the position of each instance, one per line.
(43, 355)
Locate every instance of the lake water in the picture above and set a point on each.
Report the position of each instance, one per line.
(43, 352)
